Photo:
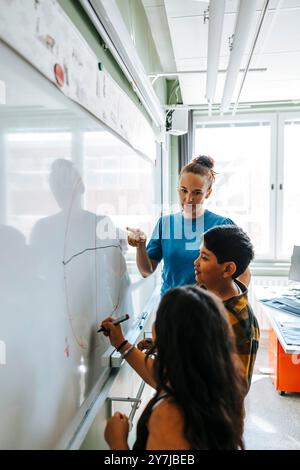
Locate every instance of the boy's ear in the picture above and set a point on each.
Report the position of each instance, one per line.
(229, 269)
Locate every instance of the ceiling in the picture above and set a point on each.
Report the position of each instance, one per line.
(181, 38)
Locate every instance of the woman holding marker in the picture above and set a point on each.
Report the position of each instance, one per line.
(176, 237)
(199, 388)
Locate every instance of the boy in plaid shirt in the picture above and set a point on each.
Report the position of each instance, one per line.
(225, 253)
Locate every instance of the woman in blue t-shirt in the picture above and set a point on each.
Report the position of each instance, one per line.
(176, 237)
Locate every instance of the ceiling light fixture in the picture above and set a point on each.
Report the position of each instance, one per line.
(263, 14)
(215, 28)
(245, 17)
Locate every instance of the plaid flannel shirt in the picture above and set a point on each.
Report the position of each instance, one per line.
(245, 328)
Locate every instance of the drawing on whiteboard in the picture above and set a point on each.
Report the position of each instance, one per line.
(49, 42)
(67, 347)
(89, 251)
(76, 57)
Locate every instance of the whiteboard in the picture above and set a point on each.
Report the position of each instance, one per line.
(45, 36)
(68, 188)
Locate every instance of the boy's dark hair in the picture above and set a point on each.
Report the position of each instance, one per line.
(196, 365)
(230, 243)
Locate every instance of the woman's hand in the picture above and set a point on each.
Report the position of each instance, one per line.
(113, 332)
(116, 431)
(136, 237)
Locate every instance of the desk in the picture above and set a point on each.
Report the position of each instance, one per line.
(284, 359)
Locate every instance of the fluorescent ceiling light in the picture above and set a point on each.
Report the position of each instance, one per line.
(246, 14)
(263, 13)
(215, 28)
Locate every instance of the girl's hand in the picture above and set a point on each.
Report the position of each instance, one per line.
(116, 431)
(136, 237)
(145, 344)
(113, 332)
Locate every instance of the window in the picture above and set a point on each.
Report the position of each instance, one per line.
(258, 177)
(289, 187)
(242, 151)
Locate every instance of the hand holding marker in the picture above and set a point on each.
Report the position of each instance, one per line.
(117, 321)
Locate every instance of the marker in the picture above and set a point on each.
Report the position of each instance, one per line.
(142, 319)
(117, 321)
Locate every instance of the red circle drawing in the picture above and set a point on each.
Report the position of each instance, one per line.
(59, 74)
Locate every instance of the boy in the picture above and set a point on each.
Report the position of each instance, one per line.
(225, 253)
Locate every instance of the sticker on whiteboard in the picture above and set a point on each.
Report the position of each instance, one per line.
(2, 92)
(59, 74)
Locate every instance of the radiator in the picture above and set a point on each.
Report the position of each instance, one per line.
(257, 307)
(269, 281)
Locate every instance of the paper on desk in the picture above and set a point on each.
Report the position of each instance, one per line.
(290, 332)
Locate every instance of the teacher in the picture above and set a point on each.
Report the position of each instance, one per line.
(176, 237)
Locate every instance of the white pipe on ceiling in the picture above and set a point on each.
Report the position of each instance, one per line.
(245, 17)
(215, 29)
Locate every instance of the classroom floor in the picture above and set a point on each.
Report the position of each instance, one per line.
(272, 421)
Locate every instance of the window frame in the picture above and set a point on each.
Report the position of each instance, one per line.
(274, 260)
(282, 118)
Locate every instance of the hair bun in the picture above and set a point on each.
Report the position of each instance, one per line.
(205, 161)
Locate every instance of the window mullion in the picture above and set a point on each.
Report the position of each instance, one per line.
(279, 181)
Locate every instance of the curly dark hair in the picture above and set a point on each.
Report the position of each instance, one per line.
(230, 243)
(195, 364)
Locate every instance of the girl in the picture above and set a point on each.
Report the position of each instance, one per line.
(199, 388)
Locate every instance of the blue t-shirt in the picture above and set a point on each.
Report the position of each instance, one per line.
(176, 240)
